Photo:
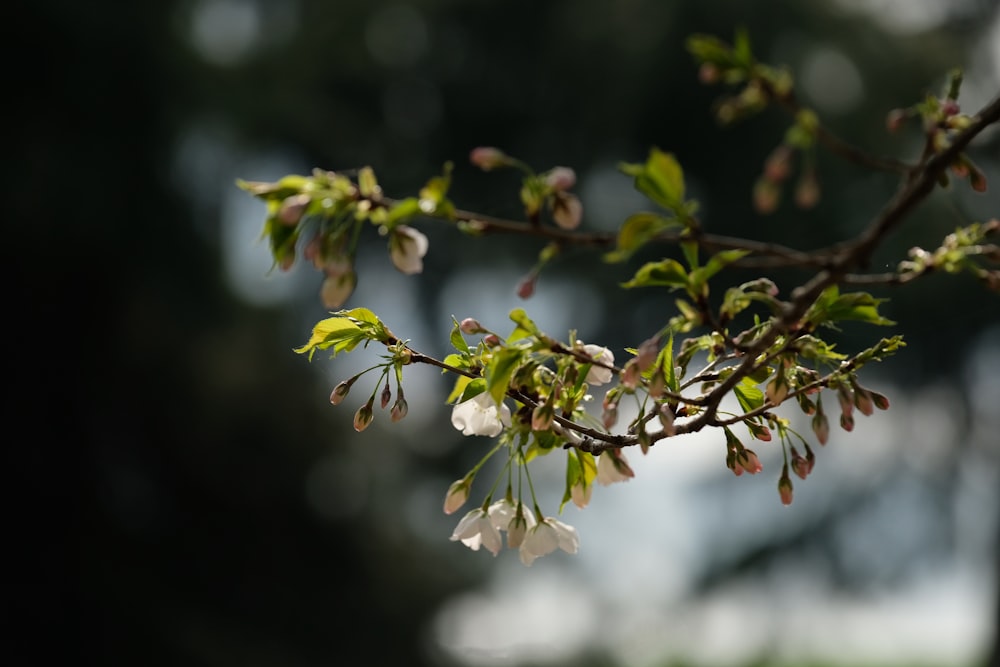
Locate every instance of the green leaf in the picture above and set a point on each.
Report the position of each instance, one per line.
(637, 230)
(402, 211)
(338, 332)
(499, 371)
(470, 388)
(525, 326)
(457, 340)
(666, 360)
(667, 272)
(748, 395)
(832, 306)
(660, 178)
(710, 49)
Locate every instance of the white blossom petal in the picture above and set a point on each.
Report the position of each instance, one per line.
(479, 416)
(407, 248)
(476, 530)
(598, 375)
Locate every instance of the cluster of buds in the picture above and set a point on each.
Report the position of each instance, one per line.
(366, 413)
(777, 168)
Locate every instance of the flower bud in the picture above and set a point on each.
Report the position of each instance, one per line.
(821, 427)
(542, 416)
(807, 190)
(386, 396)
(518, 528)
(977, 180)
(457, 494)
(580, 493)
(846, 399)
(847, 422)
(609, 416)
(526, 287)
(560, 178)
(863, 401)
(341, 390)
(895, 119)
(666, 417)
(759, 431)
(777, 166)
(364, 416)
(491, 340)
(631, 374)
(880, 400)
(337, 289)
(747, 459)
(800, 466)
(292, 208)
(399, 408)
(785, 487)
(471, 326)
(708, 73)
(488, 158)
(777, 389)
(765, 196)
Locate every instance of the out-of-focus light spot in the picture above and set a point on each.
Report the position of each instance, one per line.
(609, 197)
(542, 620)
(397, 36)
(225, 32)
(904, 15)
(831, 80)
(487, 294)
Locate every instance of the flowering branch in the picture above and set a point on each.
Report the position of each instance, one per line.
(533, 392)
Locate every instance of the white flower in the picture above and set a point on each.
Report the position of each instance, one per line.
(479, 416)
(337, 289)
(513, 518)
(476, 530)
(598, 374)
(546, 537)
(612, 466)
(407, 248)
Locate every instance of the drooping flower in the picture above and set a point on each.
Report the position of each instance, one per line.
(337, 289)
(547, 536)
(598, 375)
(476, 530)
(513, 518)
(567, 210)
(479, 416)
(612, 466)
(580, 493)
(407, 248)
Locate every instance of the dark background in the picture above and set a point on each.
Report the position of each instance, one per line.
(162, 432)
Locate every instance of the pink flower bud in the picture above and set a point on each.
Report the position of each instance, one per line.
(666, 417)
(292, 208)
(880, 401)
(341, 390)
(895, 119)
(747, 459)
(950, 107)
(800, 466)
(765, 196)
(491, 340)
(977, 180)
(561, 178)
(527, 286)
(785, 487)
(488, 158)
(631, 375)
(647, 352)
(777, 166)
(821, 427)
(386, 396)
(457, 494)
(609, 416)
(364, 416)
(471, 326)
(708, 73)
(399, 408)
(807, 191)
(542, 417)
(337, 289)
(777, 389)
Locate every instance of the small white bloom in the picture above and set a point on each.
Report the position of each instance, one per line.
(546, 537)
(598, 375)
(476, 530)
(479, 416)
(513, 518)
(407, 248)
(567, 210)
(612, 466)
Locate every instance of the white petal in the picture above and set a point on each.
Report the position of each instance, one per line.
(598, 375)
(478, 416)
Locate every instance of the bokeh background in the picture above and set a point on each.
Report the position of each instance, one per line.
(186, 495)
